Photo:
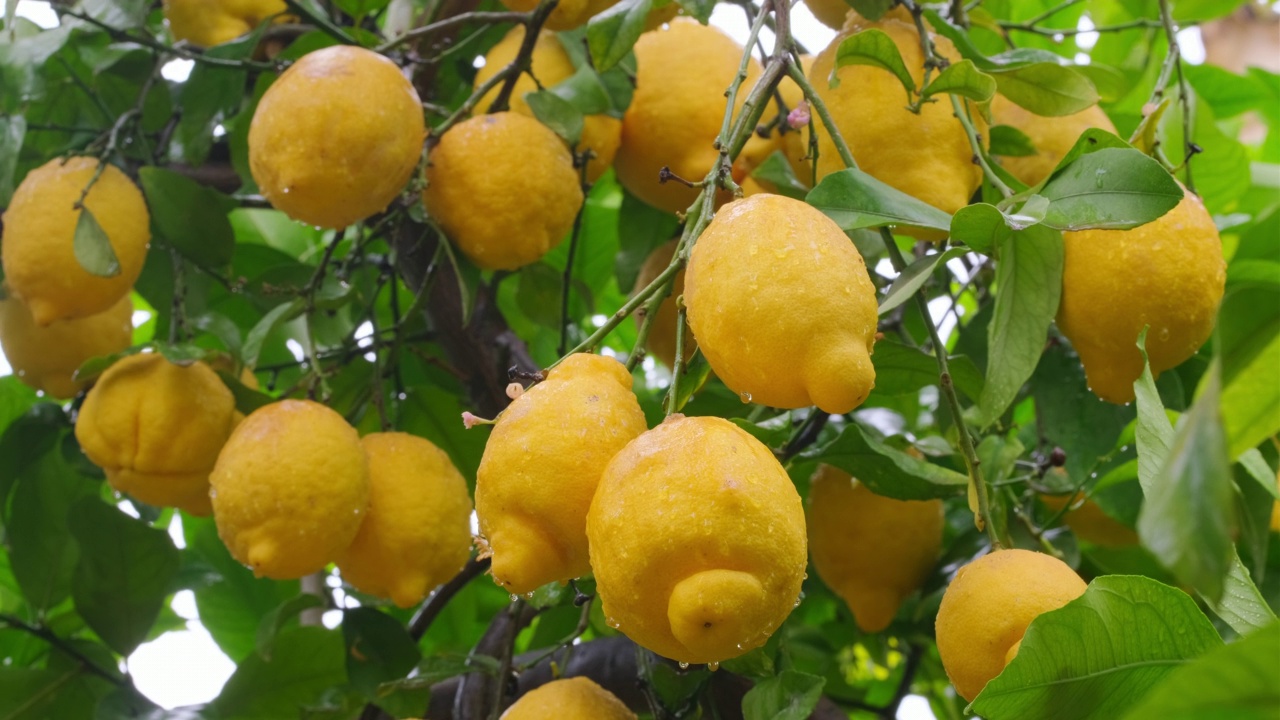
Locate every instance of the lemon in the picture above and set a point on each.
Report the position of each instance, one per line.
(576, 698)
(40, 264)
(568, 14)
(1167, 275)
(697, 541)
(928, 155)
(417, 534)
(337, 137)
(873, 551)
(213, 22)
(661, 342)
(480, 182)
(782, 305)
(46, 358)
(682, 73)
(831, 13)
(541, 466)
(156, 429)
(1052, 137)
(290, 489)
(551, 65)
(989, 605)
(1091, 523)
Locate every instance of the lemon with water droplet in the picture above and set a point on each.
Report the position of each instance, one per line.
(541, 466)
(576, 698)
(46, 358)
(697, 540)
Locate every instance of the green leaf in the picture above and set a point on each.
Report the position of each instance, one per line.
(247, 399)
(1112, 188)
(1242, 607)
(776, 170)
(875, 48)
(695, 375)
(1240, 680)
(1071, 417)
(436, 414)
(13, 130)
(1090, 141)
(258, 335)
(1009, 141)
(699, 10)
(466, 274)
(379, 649)
(854, 200)
(274, 621)
(360, 8)
(42, 549)
(92, 247)
(306, 662)
(539, 292)
(964, 79)
(125, 572)
(1249, 347)
(914, 276)
(1153, 434)
(27, 693)
(1029, 286)
(886, 470)
(233, 602)
(1187, 518)
(211, 93)
(789, 695)
(980, 226)
(901, 369)
(1046, 88)
(612, 33)
(641, 229)
(556, 113)
(1096, 656)
(190, 217)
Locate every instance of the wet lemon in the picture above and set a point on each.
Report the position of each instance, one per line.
(46, 358)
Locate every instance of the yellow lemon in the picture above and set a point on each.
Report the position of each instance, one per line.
(1052, 137)
(927, 155)
(682, 73)
(697, 540)
(156, 429)
(541, 466)
(1090, 523)
(576, 698)
(568, 14)
(661, 342)
(337, 137)
(480, 182)
(213, 22)
(551, 65)
(40, 265)
(418, 531)
(290, 489)
(873, 551)
(989, 605)
(1167, 275)
(46, 358)
(782, 305)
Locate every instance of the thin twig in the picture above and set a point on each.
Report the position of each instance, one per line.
(66, 647)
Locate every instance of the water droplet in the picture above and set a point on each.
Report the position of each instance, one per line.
(612, 623)
(684, 666)
(528, 595)
(746, 397)
(1164, 334)
(514, 597)
(713, 666)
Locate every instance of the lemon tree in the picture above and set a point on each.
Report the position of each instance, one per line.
(652, 359)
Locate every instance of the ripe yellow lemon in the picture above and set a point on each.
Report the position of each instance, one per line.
(661, 342)
(156, 429)
(480, 182)
(418, 531)
(541, 466)
(1090, 523)
(576, 698)
(989, 605)
(213, 22)
(1052, 137)
(697, 540)
(682, 73)
(290, 489)
(40, 264)
(46, 358)
(927, 155)
(337, 137)
(1167, 275)
(782, 305)
(551, 65)
(873, 551)
(568, 14)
